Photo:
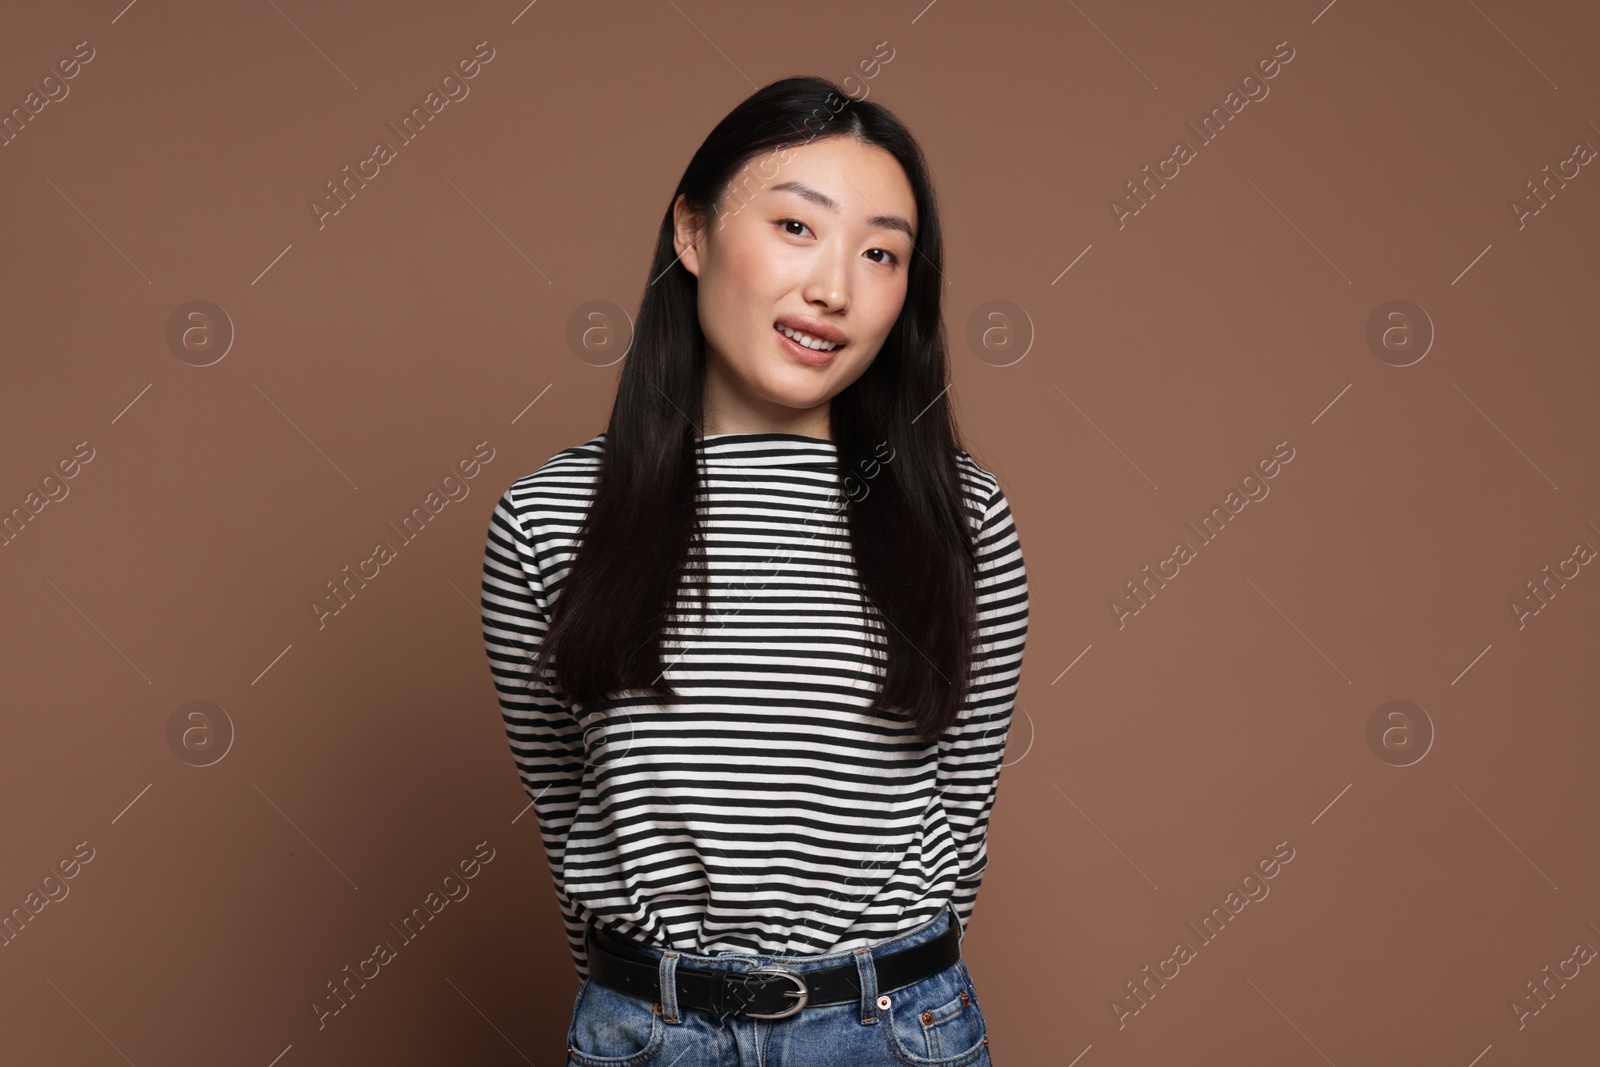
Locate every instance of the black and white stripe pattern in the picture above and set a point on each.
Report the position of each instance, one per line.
(767, 813)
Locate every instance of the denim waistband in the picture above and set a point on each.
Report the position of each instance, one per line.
(927, 931)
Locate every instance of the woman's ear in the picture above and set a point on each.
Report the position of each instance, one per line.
(686, 234)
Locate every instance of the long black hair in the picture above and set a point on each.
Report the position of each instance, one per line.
(909, 526)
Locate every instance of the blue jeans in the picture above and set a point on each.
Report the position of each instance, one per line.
(934, 1022)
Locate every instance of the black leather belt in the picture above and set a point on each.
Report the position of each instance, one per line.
(769, 992)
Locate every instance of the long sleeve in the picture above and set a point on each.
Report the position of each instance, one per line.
(971, 752)
(546, 741)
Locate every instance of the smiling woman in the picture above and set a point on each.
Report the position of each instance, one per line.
(767, 825)
(824, 249)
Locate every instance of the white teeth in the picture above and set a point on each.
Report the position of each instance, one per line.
(805, 339)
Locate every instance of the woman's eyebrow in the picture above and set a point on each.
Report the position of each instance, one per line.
(889, 222)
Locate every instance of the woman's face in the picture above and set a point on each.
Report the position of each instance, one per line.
(816, 238)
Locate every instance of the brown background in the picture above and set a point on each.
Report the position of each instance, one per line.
(1151, 765)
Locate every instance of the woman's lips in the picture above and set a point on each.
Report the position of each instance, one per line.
(809, 356)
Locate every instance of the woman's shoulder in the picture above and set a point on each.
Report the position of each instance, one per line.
(577, 463)
(982, 486)
(558, 489)
(570, 473)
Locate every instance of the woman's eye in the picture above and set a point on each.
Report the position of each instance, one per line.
(892, 259)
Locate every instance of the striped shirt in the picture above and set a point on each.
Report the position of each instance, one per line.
(767, 812)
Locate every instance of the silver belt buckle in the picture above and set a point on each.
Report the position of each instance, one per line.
(800, 991)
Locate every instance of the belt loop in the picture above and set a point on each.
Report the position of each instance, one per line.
(668, 979)
(955, 920)
(868, 972)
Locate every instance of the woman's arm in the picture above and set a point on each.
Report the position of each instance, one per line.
(546, 741)
(970, 754)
